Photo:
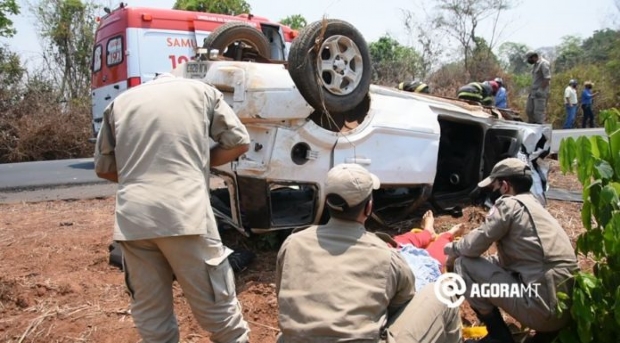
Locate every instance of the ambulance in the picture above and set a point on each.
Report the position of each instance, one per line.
(133, 44)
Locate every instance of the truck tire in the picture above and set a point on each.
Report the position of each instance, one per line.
(333, 81)
(227, 35)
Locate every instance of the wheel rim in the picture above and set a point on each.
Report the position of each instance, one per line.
(340, 65)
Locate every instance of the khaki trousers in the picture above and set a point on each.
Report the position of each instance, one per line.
(425, 320)
(201, 267)
(536, 310)
(536, 108)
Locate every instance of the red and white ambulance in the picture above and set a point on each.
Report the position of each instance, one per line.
(133, 44)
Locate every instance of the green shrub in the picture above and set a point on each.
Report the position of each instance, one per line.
(595, 302)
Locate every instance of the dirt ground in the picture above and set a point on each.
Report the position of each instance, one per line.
(56, 284)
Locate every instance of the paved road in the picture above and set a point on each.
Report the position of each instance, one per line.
(14, 176)
(557, 135)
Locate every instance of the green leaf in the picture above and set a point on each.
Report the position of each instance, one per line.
(611, 236)
(609, 195)
(583, 330)
(616, 163)
(567, 154)
(568, 335)
(594, 238)
(582, 243)
(611, 124)
(584, 159)
(603, 170)
(602, 147)
(586, 211)
(614, 144)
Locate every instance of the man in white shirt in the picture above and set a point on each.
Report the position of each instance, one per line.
(570, 102)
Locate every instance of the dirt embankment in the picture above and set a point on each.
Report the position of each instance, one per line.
(56, 284)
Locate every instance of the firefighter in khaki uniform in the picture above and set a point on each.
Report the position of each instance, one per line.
(339, 283)
(532, 248)
(154, 141)
(536, 106)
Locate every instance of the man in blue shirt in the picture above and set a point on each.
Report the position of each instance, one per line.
(501, 99)
(586, 104)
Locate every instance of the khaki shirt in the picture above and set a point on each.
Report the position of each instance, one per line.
(156, 137)
(540, 72)
(529, 240)
(338, 283)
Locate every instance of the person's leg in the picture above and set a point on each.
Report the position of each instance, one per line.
(529, 108)
(202, 269)
(585, 115)
(591, 116)
(588, 116)
(425, 320)
(540, 105)
(535, 305)
(435, 249)
(420, 239)
(571, 111)
(148, 277)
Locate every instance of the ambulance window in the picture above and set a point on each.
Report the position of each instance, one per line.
(114, 51)
(97, 58)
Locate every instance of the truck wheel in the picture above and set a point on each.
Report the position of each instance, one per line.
(232, 40)
(330, 64)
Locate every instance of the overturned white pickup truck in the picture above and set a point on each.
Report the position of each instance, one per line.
(319, 110)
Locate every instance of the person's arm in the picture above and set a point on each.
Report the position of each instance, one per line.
(105, 160)
(403, 282)
(496, 226)
(566, 96)
(228, 131)
(546, 72)
(220, 156)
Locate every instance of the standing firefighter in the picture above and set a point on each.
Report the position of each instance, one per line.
(155, 142)
(536, 107)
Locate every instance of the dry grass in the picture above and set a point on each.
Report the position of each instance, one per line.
(38, 127)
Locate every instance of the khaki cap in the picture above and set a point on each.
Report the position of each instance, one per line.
(351, 182)
(504, 168)
(530, 54)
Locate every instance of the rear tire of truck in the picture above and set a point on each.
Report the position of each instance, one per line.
(330, 64)
(226, 37)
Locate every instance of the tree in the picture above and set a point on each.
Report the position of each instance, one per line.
(7, 7)
(512, 56)
(11, 72)
(230, 7)
(295, 21)
(570, 53)
(460, 19)
(598, 48)
(67, 28)
(428, 38)
(392, 62)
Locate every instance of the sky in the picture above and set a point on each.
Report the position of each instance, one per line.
(536, 23)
